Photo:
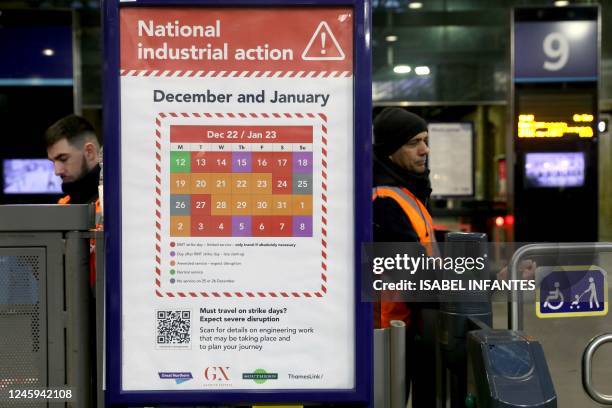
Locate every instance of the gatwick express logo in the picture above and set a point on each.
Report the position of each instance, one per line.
(217, 374)
(179, 377)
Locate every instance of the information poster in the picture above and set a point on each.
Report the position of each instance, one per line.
(237, 198)
(451, 159)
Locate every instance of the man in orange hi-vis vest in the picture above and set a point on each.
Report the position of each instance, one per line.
(74, 149)
(400, 214)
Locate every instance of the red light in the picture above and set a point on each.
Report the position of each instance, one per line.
(509, 219)
(499, 221)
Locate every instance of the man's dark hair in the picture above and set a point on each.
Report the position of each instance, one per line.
(75, 129)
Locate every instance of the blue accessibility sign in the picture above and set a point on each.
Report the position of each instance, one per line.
(571, 292)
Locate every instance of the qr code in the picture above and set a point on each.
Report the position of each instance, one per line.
(173, 327)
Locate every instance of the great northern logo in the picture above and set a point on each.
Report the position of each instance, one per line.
(260, 376)
(178, 377)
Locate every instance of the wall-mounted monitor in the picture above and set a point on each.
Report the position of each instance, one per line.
(30, 176)
(554, 169)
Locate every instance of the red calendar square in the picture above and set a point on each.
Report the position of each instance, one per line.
(262, 162)
(282, 183)
(219, 162)
(282, 163)
(200, 204)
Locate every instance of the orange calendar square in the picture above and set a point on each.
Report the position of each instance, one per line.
(241, 204)
(180, 183)
(221, 204)
(241, 183)
(220, 183)
(261, 183)
(282, 204)
(200, 183)
(262, 205)
(180, 226)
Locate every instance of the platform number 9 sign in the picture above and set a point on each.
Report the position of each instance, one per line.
(556, 49)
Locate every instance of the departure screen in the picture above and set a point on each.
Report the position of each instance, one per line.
(554, 169)
(30, 176)
(555, 115)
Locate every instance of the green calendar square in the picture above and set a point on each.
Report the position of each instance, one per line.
(180, 162)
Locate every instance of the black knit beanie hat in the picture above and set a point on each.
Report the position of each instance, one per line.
(393, 127)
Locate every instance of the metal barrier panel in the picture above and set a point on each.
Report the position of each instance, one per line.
(45, 335)
(23, 351)
(564, 341)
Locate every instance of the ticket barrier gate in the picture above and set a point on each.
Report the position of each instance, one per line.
(517, 318)
(478, 366)
(46, 329)
(483, 367)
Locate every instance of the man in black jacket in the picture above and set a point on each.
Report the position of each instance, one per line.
(401, 147)
(400, 214)
(74, 149)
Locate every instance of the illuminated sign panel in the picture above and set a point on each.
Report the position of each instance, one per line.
(553, 115)
(529, 127)
(559, 50)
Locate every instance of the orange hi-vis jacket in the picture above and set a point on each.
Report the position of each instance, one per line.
(423, 226)
(92, 242)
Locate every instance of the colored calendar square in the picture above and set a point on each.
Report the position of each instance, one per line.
(180, 183)
(222, 226)
(282, 163)
(241, 183)
(261, 183)
(200, 204)
(302, 226)
(180, 162)
(241, 204)
(302, 162)
(302, 184)
(241, 226)
(282, 183)
(220, 183)
(200, 183)
(221, 204)
(282, 204)
(200, 162)
(253, 187)
(262, 162)
(241, 162)
(201, 226)
(180, 204)
(219, 162)
(281, 226)
(180, 226)
(302, 204)
(262, 205)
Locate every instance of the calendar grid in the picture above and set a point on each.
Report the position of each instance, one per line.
(237, 187)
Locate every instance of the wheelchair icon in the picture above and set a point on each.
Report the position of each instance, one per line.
(554, 297)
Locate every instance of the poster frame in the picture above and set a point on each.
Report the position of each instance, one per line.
(473, 166)
(361, 394)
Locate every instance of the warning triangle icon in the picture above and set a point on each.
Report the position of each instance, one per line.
(323, 46)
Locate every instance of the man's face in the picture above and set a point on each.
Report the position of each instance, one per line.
(412, 156)
(69, 161)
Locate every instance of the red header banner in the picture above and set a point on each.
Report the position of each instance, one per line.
(245, 39)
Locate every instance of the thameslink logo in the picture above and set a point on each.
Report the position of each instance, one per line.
(260, 376)
(179, 377)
